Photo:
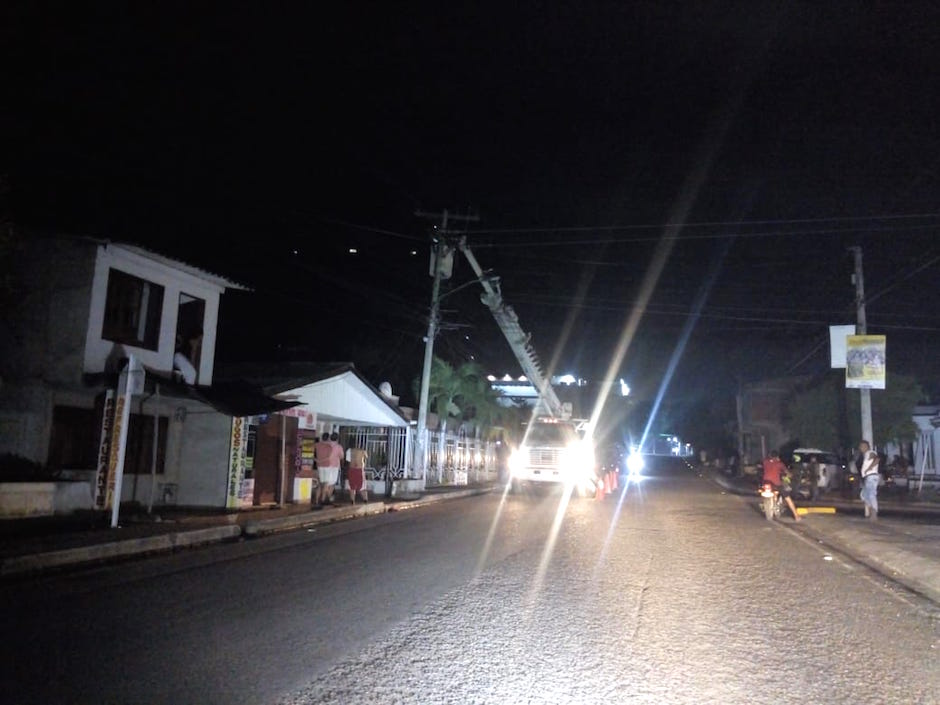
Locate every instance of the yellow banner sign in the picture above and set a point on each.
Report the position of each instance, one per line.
(865, 361)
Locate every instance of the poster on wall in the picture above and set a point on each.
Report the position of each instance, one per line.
(865, 362)
(307, 454)
(306, 419)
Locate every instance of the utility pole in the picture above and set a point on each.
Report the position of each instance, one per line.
(441, 252)
(862, 329)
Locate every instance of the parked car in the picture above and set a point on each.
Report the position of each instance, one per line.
(832, 471)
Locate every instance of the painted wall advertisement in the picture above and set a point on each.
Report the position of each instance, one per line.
(865, 362)
(102, 479)
(236, 466)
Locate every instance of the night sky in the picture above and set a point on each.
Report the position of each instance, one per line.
(262, 141)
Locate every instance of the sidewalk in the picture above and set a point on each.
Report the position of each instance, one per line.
(903, 545)
(32, 546)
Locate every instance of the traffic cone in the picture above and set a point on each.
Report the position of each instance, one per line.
(614, 480)
(599, 491)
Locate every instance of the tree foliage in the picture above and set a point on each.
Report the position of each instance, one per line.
(814, 415)
(461, 392)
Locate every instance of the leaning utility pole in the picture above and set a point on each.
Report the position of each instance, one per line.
(441, 265)
(862, 329)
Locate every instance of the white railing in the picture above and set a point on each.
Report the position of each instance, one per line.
(388, 449)
(456, 459)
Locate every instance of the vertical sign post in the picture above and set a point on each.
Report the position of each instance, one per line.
(236, 467)
(132, 382)
(102, 478)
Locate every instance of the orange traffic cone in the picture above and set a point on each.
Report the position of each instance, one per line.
(599, 492)
(614, 480)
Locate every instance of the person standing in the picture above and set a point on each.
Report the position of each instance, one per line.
(777, 476)
(327, 473)
(814, 477)
(338, 457)
(870, 476)
(356, 458)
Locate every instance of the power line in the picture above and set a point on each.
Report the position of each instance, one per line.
(372, 229)
(901, 280)
(708, 224)
(694, 238)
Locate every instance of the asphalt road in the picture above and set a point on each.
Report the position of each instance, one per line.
(677, 594)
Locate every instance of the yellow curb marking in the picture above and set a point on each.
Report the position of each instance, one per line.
(815, 510)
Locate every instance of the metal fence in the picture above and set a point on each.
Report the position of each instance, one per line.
(452, 459)
(388, 449)
(456, 459)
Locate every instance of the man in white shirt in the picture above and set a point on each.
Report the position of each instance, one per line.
(870, 477)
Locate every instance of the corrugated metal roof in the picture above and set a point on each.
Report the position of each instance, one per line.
(184, 266)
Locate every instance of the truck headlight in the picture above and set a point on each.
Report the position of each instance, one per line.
(517, 460)
(579, 458)
(635, 464)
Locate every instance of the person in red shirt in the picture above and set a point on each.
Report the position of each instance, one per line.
(775, 475)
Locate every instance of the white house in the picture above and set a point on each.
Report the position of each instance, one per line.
(81, 307)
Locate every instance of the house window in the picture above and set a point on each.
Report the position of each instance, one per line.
(132, 311)
(73, 444)
(75, 434)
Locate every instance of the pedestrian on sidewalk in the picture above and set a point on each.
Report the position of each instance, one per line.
(338, 458)
(356, 459)
(327, 473)
(815, 472)
(870, 477)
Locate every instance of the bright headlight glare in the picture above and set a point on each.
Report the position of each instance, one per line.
(579, 457)
(517, 460)
(635, 463)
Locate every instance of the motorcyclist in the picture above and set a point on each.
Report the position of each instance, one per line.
(777, 476)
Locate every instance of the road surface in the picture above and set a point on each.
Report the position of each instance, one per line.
(676, 594)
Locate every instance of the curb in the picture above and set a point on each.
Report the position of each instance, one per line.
(114, 550)
(263, 527)
(117, 549)
(456, 494)
(917, 573)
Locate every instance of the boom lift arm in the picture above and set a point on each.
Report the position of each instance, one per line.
(518, 339)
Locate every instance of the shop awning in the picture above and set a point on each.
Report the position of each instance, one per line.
(239, 399)
(231, 397)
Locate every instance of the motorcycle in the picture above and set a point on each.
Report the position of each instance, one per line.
(771, 502)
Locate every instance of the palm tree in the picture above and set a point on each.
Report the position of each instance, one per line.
(449, 391)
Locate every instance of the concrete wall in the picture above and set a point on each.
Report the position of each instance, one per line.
(26, 499)
(44, 332)
(43, 338)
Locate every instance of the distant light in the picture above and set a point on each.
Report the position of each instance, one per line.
(624, 388)
(353, 251)
(507, 377)
(491, 378)
(523, 378)
(414, 252)
(296, 252)
(467, 337)
(567, 379)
